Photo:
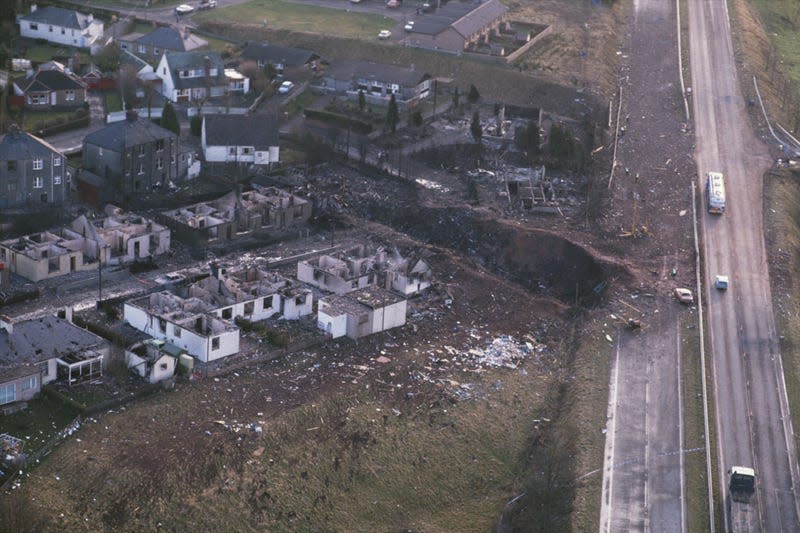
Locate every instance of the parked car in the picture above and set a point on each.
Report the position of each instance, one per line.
(285, 87)
(207, 4)
(393, 3)
(184, 9)
(384, 34)
(409, 26)
(684, 296)
(721, 283)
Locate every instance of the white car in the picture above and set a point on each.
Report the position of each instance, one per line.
(409, 26)
(721, 283)
(184, 9)
(384, 34)
(684, 296)
(285, 87)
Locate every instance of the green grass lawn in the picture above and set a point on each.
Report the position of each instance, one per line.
(36, 120)
(42, 53)
(35, 425)
(112, 100)
(297, 17)
(782, 21)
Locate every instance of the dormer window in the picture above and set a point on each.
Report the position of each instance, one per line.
(214, 71)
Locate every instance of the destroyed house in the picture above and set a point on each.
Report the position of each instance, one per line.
(185, 322)
(38, 351)
(343, 271)
(116, 239)
(235, 215)
(251, 293)
(155, 360)
(361, 313)
(409, 276)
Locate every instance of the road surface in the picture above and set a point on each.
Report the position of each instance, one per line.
(753, 423)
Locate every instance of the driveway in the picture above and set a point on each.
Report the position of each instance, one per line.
(70, 142)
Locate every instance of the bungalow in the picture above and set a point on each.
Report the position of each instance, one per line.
(361, 313)
(196, 76)
(344, 271)
(244, 139)
(151, 46)
(286, 61)
(377, 81)
(184, 322)
(60, 26)
(38, 351)
(51, 87)
(457, 26)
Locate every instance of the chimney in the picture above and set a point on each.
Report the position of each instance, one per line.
(6, 324)
(131, 115)
(68, 313)
(33, 7)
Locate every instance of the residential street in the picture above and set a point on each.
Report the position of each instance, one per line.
(70, 142)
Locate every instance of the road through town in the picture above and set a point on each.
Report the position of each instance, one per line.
(752, 414)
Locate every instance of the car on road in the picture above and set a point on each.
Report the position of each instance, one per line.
(184, 9)
(721, 283)
(409, 26)
(684, 296)
(384, 34)
(207, 4)
(285, 87)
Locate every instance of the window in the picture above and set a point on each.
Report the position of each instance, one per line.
(56, 180)
(63, 31)
(163, 71)
(29, 383)
(142, 49)
(176, 331)
(12, 186)
(232, 150)
(100, 151)
(56, 161)
(246, 150)
(141, 168)
(162, 366)
(156, 51)
(215, 343)
(11, 166)
(70, 96)
(214, 72)
(8, 393)
(184, 74)
(123, 46)
(141, 150)
(160, 145)
(249, 307)
(162, 325)
(38, 182)
(34, 26)
(159, 163)
(267, 303)
(45, 369)
(227, 313)
(38, 164)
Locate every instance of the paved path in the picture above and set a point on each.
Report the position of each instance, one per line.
(71, 141)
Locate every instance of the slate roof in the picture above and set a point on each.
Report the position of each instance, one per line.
(353, 70)
(290, 57)
(50, 80)
(127, 58)
(40, 339)
(171, 39)
(178, 61)
(58, 16)
(466, 18)
(126, 133)
(258, 131)
(19, 145)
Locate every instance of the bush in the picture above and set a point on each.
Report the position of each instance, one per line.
(343, 121)
(196, 125)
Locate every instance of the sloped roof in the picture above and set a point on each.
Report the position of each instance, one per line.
(178, 61)
(126, 133)
(51, 80)
(127, 58)
(290, 57)
(58, 16)
(171, 39)
(353, 70)
(480, 17)
(40, 339)
(19, 145)
(258, 131)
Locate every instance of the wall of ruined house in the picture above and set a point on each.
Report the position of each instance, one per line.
(294, 309)
(39, 269)
(161, 369)
(386, 318)
(308, 273)
(198, 237)
(254, 310)
(333, 324)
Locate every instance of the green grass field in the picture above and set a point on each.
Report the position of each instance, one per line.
(296, 17)
(781, 21)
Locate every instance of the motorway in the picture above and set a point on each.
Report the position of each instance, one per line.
(753, 425)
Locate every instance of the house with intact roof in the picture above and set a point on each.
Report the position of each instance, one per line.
(31, 171)
(287, 61)
(457, 26)
(151, 46)
(51, 87)
(134, 155)
(247, 139)
(377, 81)
(60, 26)
(41, 350)
(196, 76)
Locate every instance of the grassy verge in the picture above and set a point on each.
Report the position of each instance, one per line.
(694, 428)
(592, 367)
(36, 120)
(299, 17)
(113, 101)
(35, 425)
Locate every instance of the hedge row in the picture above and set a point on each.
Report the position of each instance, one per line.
(67, 126)
(343, 121)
